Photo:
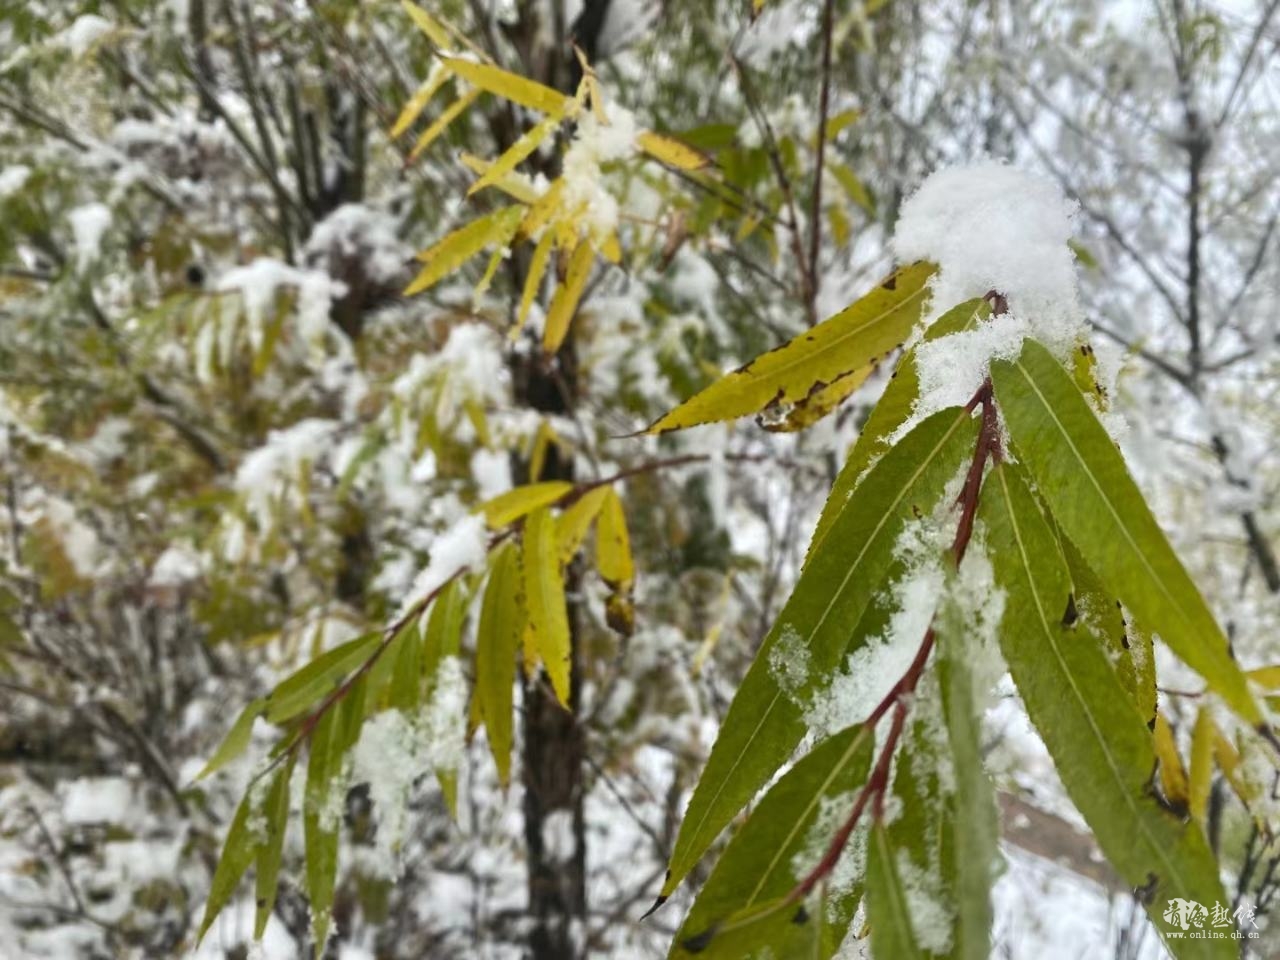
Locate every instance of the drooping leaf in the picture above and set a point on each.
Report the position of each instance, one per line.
(863, 332)
(238, 851)
(853, 187)
(501, 623)
(441, 123)
(428, 24)
(452, 251)
(888, 910)
(574, 522)
(1200, 776)
(515, 155)
(305, 687)
(764, 723)
(548, 621)
(1098, 740)
(891, 412)
(443, 638)
(514, 504)
(533, 280)
(1173, 775)
(319, 822)
(738, 914)
(1083, 478)
(418, 102)
(511, 86)
(670, 151)
(613, 544)
(274, 822)
(236, 740)
(564, 302)
(515, 185)
(405, 655)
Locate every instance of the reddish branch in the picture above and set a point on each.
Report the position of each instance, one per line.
(877, 785)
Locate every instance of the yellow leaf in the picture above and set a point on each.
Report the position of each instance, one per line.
(1266, 677)
(861, 334)
(565, 301)
(572, 527)
(611, 249)
(501, 625)
(545, 436)
(1173, 776)
(418, 102)
(495, 261)
(1229, 763)
(442, 122)
(427, 24)
(533, 280)
(511, 86)
(613, 544)
(840, 228)
(672, 152)
(548, 624)
(514, 504)
(515, 155)
(455, 249)
(542, 212)
(1201, 774)
(514, 185)
(756, 7)
(822, 399)
(1084, 370)
(840, 121)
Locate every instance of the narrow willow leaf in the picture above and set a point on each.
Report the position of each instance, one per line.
(1083, 478)
(891, 412)
(854, 187)
(863, 332)
(791, 825)
(238, 851)
(533, 280)
(304, 688)
(574, 522)
(1229, 762)
(672, 152)
(319, 823)
(511, 86)
(1099, 743)
(564, 303)
(501, 623)
(418, 102)
(1200, 776)
(1173, 775)
(764, 723)
(976, 835)
(427, 24)
(613, 544)
(441, 123)
(515, 155)
(455, 249)
(514, 504)
(822, 399)
(515, 185)
(548, 621)
(406, 686)
(274, 820)
(888, 910)
(236, 740)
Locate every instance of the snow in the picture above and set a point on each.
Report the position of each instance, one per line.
(356, 231)
(98, 800)
(258, 284)
(594, 145)
(463, 546)
(492, 472)
(13, 179)
(178, 565)
(851, 868)
(927, 905)
(990, 226)
(273, 469)
(84, 32)
(88, 224)
(558, 839)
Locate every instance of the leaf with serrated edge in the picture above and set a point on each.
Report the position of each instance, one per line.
(1082, 477)
(514, 504)
(757, 866)
(1098, 741)
(548, 621)
(822, 400)
(863, 332)
(764, 724)
(501, 622)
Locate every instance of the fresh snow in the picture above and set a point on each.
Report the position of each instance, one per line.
(462, 546)
(594, 145)
(88, 224)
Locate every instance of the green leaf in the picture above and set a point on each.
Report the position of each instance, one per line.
(888, 911)
(304, 688)
(443, 636)
(863, 332)
(892, 411)
(976, 833)
(238, 851)
(1099, 742)
(275, 820)
(319, 828)
(1082, 477)
(548, 622)
(739, 912)
(236, 740)
(501, 623)
(406, 674)
(764, 724)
